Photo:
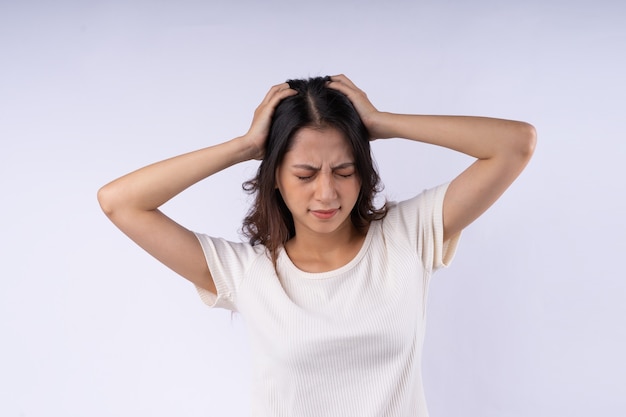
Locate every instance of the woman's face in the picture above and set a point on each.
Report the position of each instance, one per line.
(318, 181)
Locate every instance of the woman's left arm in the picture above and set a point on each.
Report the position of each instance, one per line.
(502, 149)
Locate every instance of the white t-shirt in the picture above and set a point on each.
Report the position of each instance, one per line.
(341, 343)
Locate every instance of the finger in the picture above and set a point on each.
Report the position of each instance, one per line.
(342, 79)
(273, 98)
(278, 88)
(343, 84)
(277, 97)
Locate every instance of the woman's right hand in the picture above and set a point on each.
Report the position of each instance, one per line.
(260, 127)
(131, 202)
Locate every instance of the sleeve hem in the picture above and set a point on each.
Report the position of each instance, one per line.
(207, 296)
(223, 298)
(445, 251)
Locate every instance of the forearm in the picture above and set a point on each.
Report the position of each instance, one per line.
(151, 186)
(480, 137)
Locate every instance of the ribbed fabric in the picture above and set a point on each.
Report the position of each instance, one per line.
(342, 343)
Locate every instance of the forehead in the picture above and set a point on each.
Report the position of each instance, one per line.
(327, 144)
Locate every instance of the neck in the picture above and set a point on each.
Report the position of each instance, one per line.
(314, 252)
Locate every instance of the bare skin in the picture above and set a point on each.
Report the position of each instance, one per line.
(502, 149)
(319, 184)
(132, 201)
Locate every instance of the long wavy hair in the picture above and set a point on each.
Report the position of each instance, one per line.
(269, 222)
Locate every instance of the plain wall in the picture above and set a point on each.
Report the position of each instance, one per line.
(528, 320)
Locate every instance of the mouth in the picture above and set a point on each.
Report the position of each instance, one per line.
(324, 214)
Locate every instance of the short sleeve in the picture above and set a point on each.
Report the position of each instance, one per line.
(421, 219)
(228, 263)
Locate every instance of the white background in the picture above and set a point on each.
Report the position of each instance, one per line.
(528, 321)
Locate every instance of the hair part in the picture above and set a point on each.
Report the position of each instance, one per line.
(269, 222)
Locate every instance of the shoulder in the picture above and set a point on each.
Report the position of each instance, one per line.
(417, 224)
(422, 206)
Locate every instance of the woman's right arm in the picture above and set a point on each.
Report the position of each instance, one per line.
(132, 201)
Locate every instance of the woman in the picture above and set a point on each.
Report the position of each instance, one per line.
(333, 289)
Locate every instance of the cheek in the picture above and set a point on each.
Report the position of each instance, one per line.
(355, 186)
(281, 183)
(291, 191)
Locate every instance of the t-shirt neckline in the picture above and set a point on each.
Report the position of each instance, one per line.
(285, 260)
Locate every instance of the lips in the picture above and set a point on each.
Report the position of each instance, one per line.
(324, 214)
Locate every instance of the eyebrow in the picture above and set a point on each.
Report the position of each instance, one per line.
(312, 168)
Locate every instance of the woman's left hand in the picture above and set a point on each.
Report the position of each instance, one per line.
(370, 116)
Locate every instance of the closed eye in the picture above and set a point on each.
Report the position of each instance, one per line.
(344, 173)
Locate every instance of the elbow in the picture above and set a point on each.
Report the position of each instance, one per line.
(106, 200)
(524, 141)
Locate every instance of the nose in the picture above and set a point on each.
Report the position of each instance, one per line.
(325, 190)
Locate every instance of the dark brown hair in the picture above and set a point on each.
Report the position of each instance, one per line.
(269, 222)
